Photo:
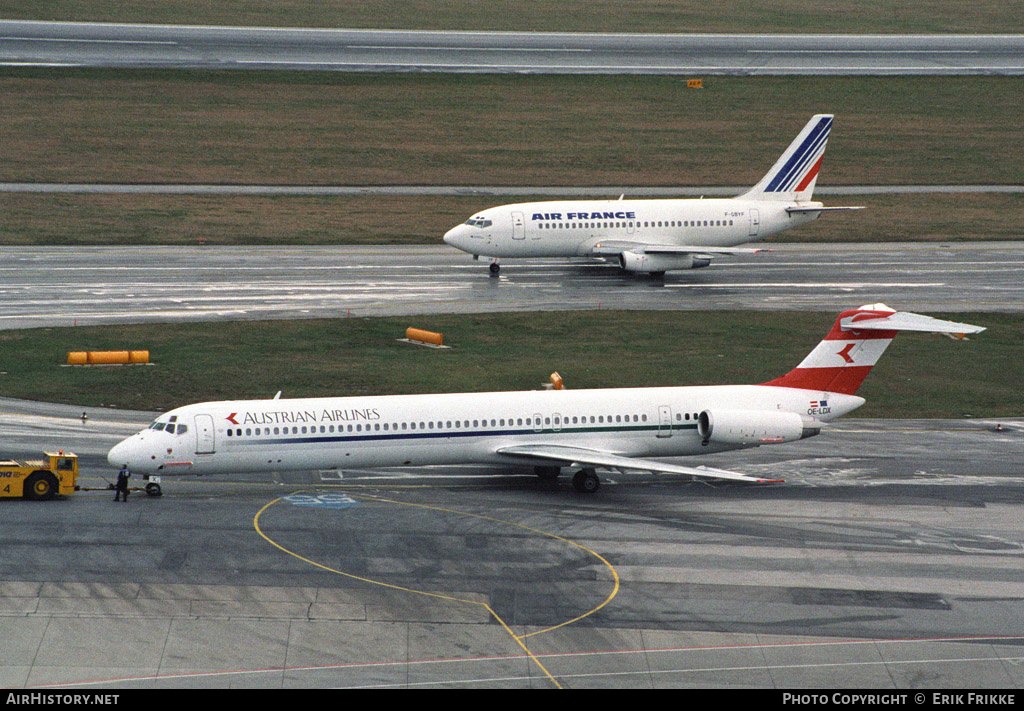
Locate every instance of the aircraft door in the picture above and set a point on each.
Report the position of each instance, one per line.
(518, 226)
(204, 434)
(664, 421)
(755, 221)
(538, 422)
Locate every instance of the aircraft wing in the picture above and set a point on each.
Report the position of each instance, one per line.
(567, 456)
(613, 248)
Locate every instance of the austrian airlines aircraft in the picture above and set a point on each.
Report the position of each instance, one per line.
(620, 429)
(654, 236)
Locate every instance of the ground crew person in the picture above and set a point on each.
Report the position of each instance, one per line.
(122, 483)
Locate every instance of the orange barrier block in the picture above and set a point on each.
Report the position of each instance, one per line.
(416, 334)
(107, 357)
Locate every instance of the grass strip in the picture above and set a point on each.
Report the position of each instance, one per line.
(919, 376)
(296, 128)
(77, 219)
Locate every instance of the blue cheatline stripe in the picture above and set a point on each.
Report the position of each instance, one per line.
(383, 438)
(799, 160)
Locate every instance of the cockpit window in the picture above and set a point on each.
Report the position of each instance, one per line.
(479, 222)
(169, 427)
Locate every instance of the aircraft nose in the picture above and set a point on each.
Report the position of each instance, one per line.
(456, 237)
(126, 453)
(118, 454)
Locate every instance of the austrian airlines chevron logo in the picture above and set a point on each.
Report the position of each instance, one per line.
(845, 353)
(231, 418)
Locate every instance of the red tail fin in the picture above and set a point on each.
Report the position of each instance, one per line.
(841, 362)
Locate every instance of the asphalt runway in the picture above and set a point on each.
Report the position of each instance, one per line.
(890, 558)
(58, 44)
(68, 286)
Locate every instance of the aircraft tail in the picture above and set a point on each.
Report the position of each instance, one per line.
(857, 340)
(794, 174)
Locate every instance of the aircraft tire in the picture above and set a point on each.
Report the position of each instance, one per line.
(585, 481)
(40, 486)
(153, 490)
(495, 268)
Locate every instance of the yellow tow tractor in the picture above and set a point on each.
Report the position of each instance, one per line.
(42, 479)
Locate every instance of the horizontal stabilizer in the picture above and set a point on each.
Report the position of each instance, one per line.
(567, 456)
(905, 321)
(822, 208)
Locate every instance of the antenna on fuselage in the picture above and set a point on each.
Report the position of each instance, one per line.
(278, 396)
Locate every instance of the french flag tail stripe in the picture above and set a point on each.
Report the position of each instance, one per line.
(811, 175)
(810, 150)
(807, 154)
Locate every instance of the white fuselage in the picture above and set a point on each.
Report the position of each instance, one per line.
(415, 430)
(572, 228)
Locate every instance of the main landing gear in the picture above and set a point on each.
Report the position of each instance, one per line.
(584, 481)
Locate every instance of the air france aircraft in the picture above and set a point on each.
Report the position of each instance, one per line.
(620, 429)
(654, 236)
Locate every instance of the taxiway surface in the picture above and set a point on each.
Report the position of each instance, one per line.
(31, 43)
(56, 286)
